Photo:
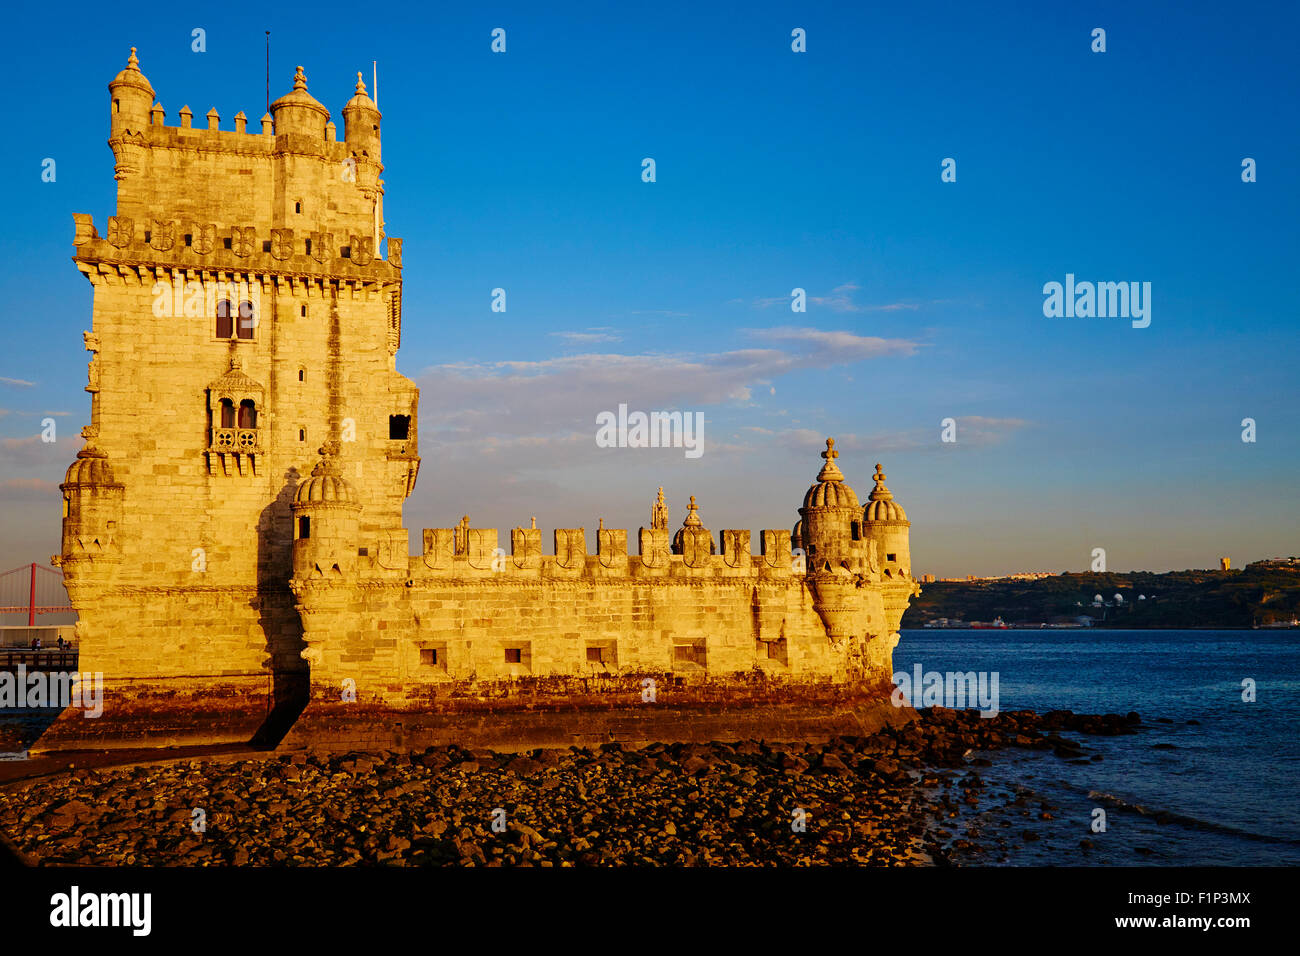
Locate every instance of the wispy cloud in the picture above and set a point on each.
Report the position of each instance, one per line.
(555, 395)
(588, 337)
(840, 299)
(27, 489)
(17, 382)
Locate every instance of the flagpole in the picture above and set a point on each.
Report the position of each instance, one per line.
(268, 71)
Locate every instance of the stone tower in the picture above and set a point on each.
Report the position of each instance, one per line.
(887, 528)
(245, 313)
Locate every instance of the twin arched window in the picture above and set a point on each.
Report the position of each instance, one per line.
(245, 416)
(235, 323)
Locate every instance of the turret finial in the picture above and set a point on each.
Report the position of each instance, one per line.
(132, 61)
(659, 512)
(299, 80)
(880, 492)
(692, 517)
(830, 471)
(361, 84)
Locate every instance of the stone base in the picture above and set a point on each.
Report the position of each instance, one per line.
(498, 717)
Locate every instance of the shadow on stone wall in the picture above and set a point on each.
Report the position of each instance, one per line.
(290, 676)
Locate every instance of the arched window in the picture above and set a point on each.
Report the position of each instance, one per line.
(247, 320)
(225, 319)
(247, 414)
(227, 413)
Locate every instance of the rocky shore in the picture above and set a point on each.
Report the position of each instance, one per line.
(887, 799)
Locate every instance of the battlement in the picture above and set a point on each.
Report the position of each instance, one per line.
(195, 248)
(292, 183)
(476, 553)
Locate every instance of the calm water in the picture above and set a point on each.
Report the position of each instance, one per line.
(1230, 787)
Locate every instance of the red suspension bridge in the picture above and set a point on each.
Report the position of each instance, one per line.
(24, 589)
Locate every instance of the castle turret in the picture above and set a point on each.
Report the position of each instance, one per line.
(887, 529)
(325, 512)
(361, 123)
(830, 532)
(92, 507)
(132, 98)
(361, 133)
(829, 528)
(886, 524)
(298, 112)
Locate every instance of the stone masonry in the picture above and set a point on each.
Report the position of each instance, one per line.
(236, 512)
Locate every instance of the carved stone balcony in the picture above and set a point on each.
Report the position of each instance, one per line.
(234, 451)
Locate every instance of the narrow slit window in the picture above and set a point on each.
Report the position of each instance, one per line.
(304, 527)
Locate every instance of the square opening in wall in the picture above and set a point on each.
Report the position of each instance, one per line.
(602, 654)
(514, 655)
(434, 656)
(687, 653)
(399, 427)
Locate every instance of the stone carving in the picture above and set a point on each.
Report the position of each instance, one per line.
(363, 249)
(281, 243)
(162, 237)
(526, 545)
(242, 240)
(439, 548)
(570, 548)
(322, 246)
(121, 231)
(395, 252)
(204, 237)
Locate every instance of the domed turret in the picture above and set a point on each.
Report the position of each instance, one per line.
(361, 122)
(830, 527)
(299, 112)
(325, 510)
(885, 523)
(92, 508)
(132, 98)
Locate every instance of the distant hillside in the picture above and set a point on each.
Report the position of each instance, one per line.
(1257, 594)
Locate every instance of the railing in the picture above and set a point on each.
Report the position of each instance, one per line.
(42, 660)
(234, 439)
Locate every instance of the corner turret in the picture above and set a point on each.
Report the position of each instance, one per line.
(325, 512)
(131, 99)
(361, 123)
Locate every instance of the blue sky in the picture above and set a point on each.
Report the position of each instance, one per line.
(775, 170)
